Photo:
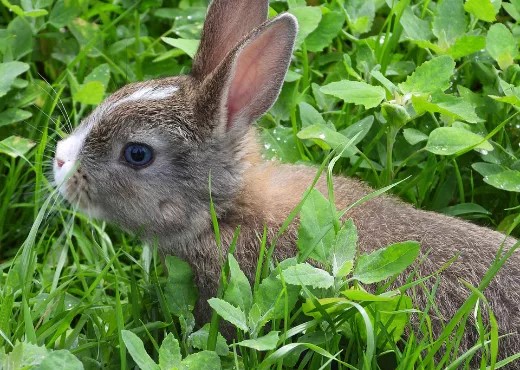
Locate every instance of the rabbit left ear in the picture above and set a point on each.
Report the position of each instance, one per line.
(246, 84)
(227, 22)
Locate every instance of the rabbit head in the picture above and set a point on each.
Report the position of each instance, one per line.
(142, 159)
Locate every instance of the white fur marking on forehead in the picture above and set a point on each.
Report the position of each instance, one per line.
(149, 93)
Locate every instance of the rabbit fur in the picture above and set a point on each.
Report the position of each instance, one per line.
(200, 124)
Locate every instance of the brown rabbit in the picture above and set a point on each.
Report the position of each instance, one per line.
(142, 160)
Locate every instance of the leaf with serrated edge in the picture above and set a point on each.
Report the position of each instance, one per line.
(451, 140)
(229, 313)
(266, 343)
(481, 9)
(207, 360)
(431, 76)
(305, 274)
(238, 291)
(356, 92)
(385, 262)
(169, 353)
(344, 249)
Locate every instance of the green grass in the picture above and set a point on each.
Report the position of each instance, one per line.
(76, 289)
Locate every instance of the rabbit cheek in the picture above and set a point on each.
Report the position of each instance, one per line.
(173, 214)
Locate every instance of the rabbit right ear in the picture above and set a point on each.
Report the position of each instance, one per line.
(227, 23)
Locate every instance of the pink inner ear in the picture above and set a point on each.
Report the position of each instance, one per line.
(251, 76)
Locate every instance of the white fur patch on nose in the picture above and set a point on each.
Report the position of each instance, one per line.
(149, 93)
(66, 157)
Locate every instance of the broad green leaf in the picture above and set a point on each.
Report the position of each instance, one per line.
(449, 22)
(279, 144)
(449, 105)
(431, 76)
(189, 46)
(414, 136)
(464, 209)
(207, 360)
(386, 262)
(501, 45)
(330, 25)
(101, 73)
(135, 347)
(61, 359)
(513, 9)
(257, 319)
(481, 9)
(238, 291)
(266, 343)
(13, 115)
(180, 291)
(64, 12)
(8, 73)
(344, 251)
(25, 355)
(361, 14)
(486, 169)
(309, 115)
(356, 92)
(229, 313)
(511, 92)
(512, 99)
(309, 18)
(451, 140)
(271, 299)
(507, 180)
(199, 340)
(467, 45)
(169, 353)
(16, 146)
(327, 138)
(84, 32)
(415, 27)
(91, 93)
(358, 130)
(21, 39)
(316, 218)
(292, 76)
(307, 275)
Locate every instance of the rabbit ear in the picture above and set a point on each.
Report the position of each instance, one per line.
(246, 84)
(227, 22)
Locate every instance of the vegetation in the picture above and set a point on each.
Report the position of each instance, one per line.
(426, 95)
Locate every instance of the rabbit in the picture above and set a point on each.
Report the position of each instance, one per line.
(143, 157)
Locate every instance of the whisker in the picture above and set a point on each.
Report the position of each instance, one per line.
(61, 106)
(52, 129)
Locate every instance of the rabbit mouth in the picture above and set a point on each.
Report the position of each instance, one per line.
(74, 187)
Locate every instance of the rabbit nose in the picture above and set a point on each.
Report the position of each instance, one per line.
(59, 163)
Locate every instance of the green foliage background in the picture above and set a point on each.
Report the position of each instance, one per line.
(428, 90)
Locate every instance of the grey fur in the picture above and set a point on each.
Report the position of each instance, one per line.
(194, 136)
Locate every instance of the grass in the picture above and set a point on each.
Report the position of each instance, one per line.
(74, 291)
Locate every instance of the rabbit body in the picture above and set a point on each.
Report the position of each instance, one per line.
(270, 190)
(143, 158)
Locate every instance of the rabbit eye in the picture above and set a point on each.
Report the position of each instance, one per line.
(138, 155)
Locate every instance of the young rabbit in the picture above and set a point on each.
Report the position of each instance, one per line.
(142, 160)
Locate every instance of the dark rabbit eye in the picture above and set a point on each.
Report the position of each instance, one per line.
(138, 155)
